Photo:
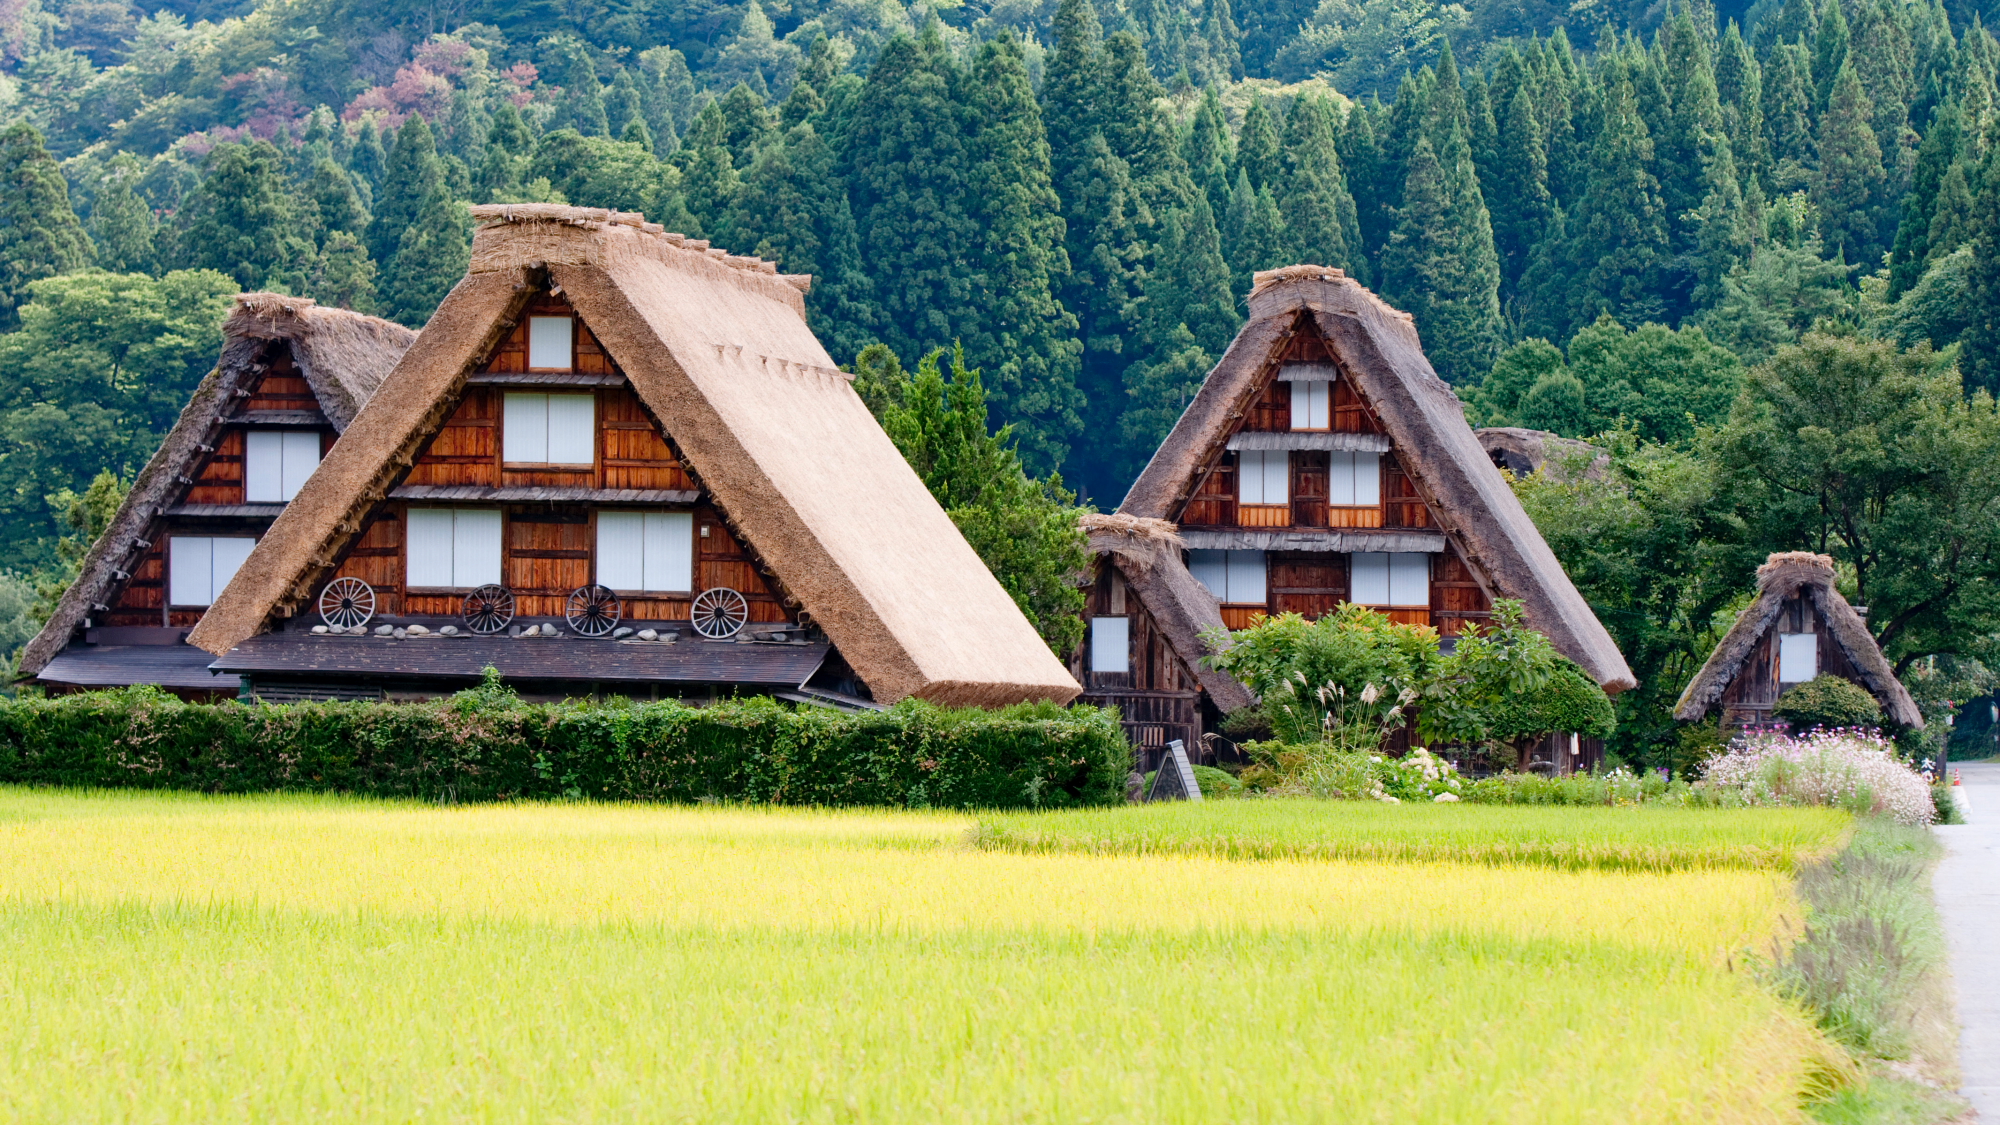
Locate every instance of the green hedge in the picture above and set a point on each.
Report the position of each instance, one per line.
(486, 745)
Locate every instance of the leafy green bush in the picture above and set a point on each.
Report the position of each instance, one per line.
(1612, 787)
(1828, 701)
(1319, 769)
(485, 744)
(1569, 702)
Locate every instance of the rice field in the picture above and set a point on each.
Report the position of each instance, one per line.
(170, 958)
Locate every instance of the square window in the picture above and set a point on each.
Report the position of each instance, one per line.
(1111, 644)
(1234, 577)
(1263, 476)
(1354, 480)
(199, 567)
(452, 548)
(545, 429)
(549, 343)
(645, 550)
(1312, 405)
(276, 464)
(1368, 578)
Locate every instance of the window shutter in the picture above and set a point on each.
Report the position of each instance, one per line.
(1111, 644)
(475, 547)
(572, 429)
(1367, 479)
(263, 468)
(229, 555)
(1250, 476)
(428, 547)
(191, 561)
(669, 551)
(1246, 577)
(1211, 569)
(1370, 579)
(1340, 479)
(549, 342)
(1310, 405)
(1277, 476)
(1410, 580)
(526, 428)
(301, 457)
(621, 550)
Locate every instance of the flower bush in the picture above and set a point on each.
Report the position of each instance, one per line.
(1845, 769)
(1319, 769)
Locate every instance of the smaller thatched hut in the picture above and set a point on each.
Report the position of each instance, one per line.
(1798, 628)
(291, 377)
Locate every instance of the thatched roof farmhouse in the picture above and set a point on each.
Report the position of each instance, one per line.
(617, 459)
(1798, 627)
(1321, 462)
(291, 377)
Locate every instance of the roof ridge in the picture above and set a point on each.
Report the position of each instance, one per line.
(601, 218)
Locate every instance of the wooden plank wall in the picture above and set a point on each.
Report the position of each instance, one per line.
(1156, 665)
(1753, 694)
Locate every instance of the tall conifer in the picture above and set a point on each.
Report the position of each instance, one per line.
(39, 234)
(1935, 157)
(793, 209)
(1253, 233)
(1521, 202)
(581, 106)
(431, 257)
(241, 221)
(1619, 235)
(1259, 153)
(1848, 182)
(413, 172)
(1434, 268)
(1190, 317)
(1982, 299)
(121, 223)
(1319, 212)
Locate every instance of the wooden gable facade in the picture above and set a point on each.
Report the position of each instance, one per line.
(291, 375)
(549, 511)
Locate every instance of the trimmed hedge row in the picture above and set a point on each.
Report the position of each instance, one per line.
(487, 745)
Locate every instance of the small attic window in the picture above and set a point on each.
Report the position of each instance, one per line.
(1798, 657)
(549, 342)
(276, 464)
(1312, 405)
(1111, 644)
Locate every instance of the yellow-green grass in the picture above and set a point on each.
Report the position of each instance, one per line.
(170, 958)
(1569, 837)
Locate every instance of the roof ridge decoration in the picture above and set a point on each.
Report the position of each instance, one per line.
(784, 447)
(1377, 348)
(1783, 574)
(344, 357)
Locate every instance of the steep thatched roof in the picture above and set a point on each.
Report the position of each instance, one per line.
(1783, 575)
(1147, 552)
(1523, 451)
(1377, 347)
(717, 346)
(344, 356)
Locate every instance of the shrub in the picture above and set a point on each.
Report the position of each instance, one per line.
(1839, 769)
(1828, 701)
(1348, 674)
(1328, 771)
(486, 744)
(1609, 787)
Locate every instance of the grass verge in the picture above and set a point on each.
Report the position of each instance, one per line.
(1569, 838)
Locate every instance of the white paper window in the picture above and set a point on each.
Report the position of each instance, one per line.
(1354, 479)
(549, 343)
(276, 464)
(1798, 657)
(1263, 476)
(452, 547)
(1402, 579)
(1235, 577)
(541, 429)
(1312, 406)
(645, 550)
(1111, 644)
(199, 567)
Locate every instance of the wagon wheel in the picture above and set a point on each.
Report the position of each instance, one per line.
(720, 614)
(488, 609)
(346, 602)
(593, 610)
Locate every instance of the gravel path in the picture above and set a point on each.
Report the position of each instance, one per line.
(1968, 895)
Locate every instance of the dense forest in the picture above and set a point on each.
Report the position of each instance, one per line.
(1618, 220)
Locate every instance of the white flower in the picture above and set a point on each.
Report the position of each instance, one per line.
(1441, 798)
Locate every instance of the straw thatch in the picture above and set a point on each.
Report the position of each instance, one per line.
(1524, 452)
(1147, 553)
(344, 356)
(718, 348)
(1782, 576)
(1377, 347)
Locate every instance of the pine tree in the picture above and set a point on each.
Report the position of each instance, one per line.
(1207, 151)
(708, 174)
(1521, 200)
(335, 202)
(343, 276)
(1954, 217)
(802, 104)
(1788, 116)
(1432, 269)
(623, 103)
(412, 173)
(1555, 107)
(121, 224)
(793, 209)
(1319, 212)
(508, 145)
(908, 181)
(1885, 60)
(1699, 185)
(1619, 234)
(1934, 158)
(1483, 132)
(430, 258)
(581, 106)
(1021, 335)
(367, 158)
(1981, 359)
(1190, 319)
(1739, 83)
(241, 221)
(1253, 233)
(1258, 151)
(1361, 152)
(746, 122)
(39, 234)
(1847, 186)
